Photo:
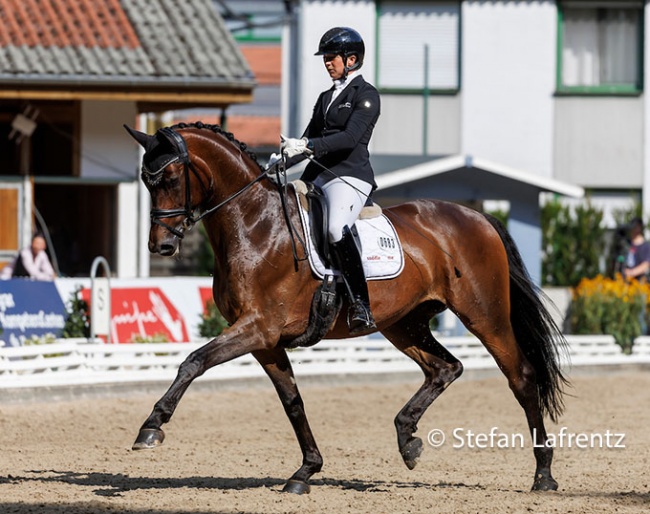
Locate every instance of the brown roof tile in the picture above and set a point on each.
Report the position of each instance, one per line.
(119, 40)
(266, 63)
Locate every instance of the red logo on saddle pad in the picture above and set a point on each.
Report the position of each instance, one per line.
(143, 312)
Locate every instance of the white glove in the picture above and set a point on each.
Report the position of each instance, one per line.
(273, 160)
(291, 147)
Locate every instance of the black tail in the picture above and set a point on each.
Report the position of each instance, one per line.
(537, 334)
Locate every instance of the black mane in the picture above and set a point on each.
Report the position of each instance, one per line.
(218, 130)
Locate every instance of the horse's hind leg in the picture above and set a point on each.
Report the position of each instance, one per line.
(277, 366)
(522, 380)
(412, 336)
(523, 383)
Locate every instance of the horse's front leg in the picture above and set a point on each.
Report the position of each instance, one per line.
(237, 340)
(277, 366)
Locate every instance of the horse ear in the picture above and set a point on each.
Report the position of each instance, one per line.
(140, 137)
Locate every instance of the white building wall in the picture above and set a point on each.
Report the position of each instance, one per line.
(107, 151)
(317, 17)
(508, 80)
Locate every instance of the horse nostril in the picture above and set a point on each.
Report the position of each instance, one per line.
(167, 249)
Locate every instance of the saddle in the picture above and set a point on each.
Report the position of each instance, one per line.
(314, 202)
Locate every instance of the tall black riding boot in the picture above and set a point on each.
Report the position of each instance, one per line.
(348, 261)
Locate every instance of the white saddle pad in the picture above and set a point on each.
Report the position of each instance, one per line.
(381, 255)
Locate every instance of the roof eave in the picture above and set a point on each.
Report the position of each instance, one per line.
(447, 164)
(132, 81)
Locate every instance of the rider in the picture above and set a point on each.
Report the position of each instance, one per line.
(337, 136)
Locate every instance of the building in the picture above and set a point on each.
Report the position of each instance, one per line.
(72, 72)
(257, 27)
(550, 92)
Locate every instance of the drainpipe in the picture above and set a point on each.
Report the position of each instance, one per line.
(425, 102)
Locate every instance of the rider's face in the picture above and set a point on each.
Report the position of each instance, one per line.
(334, 65)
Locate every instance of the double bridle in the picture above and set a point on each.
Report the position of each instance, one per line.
(183, 157)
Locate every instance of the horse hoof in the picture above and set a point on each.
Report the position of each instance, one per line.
(296, 487)
(411, 452)
(149, 438)
(544, 483)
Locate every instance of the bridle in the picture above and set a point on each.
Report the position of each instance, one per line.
(183, 157)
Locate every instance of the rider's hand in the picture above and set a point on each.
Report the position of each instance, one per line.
(291, 147)
(271, 168)
(273, 160)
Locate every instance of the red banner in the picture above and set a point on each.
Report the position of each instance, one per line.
(143, 312)
(206, 295)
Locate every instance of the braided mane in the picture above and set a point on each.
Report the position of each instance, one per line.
(218, 130)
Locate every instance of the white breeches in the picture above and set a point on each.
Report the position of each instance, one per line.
(345, 196)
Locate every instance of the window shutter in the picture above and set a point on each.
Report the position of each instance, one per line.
(404, 30)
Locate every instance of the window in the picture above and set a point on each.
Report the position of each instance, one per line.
(407, 31)
(600, 47)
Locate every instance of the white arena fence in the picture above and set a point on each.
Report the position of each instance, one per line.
(71, 362)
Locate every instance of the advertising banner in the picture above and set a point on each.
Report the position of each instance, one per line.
(161, 308)
(143, 312)
(29, 307)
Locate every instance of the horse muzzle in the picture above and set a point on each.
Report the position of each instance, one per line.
(162, 242)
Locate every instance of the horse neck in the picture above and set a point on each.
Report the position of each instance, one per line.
(251, 215)
(230, 166)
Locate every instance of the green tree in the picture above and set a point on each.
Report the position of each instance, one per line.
(573, 243)
(212, 322)
(77, 323)
(205, 255)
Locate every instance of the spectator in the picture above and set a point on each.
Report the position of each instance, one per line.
(31, 262)
(637, 263)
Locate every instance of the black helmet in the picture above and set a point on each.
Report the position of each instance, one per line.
(342, 41)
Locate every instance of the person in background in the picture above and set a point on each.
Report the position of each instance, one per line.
(637, 263)
(30, 262)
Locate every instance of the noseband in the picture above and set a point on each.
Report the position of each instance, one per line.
(187, 211)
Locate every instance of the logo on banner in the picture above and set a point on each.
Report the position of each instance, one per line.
(29, 308)
(144, 312)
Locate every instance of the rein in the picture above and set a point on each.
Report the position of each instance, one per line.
(190, 219)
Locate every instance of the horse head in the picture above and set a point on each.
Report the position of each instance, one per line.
(166, 173)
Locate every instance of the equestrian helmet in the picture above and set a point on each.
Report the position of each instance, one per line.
(342, 41)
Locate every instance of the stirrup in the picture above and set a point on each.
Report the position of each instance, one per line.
(360, 318)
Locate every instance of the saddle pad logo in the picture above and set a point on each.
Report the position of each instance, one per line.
(386, 242)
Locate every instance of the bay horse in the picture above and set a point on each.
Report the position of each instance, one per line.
(455, 258)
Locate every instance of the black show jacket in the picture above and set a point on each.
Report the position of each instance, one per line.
(341, 135)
